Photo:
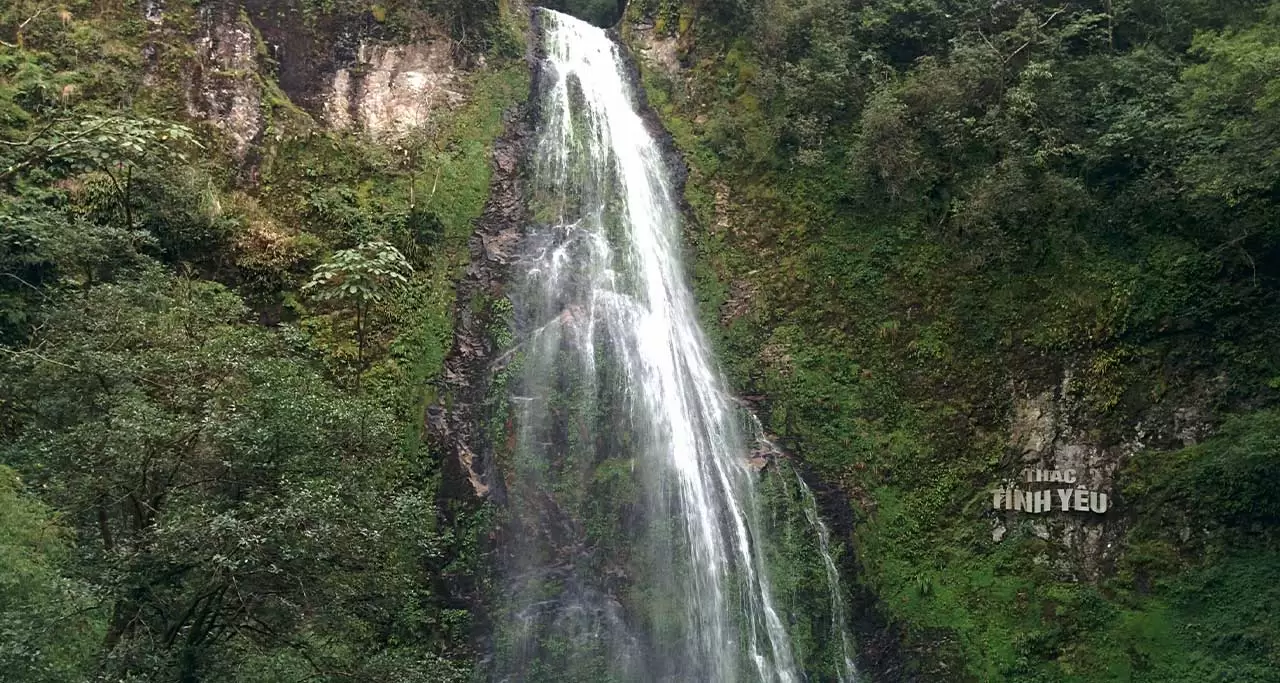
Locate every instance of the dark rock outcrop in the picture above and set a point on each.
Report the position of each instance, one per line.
(458, 425)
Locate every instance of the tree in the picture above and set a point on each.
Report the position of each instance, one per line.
(236, 511)
(1233, 110)
(598, 12)
(48, 630)
(360, 277)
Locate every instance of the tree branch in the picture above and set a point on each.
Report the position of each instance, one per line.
(1030, 40)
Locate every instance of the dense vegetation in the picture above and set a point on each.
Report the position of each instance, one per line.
(914, 213)
(911, 214)
(599, 12)
(214, 369)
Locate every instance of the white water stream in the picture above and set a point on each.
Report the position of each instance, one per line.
(612, 345)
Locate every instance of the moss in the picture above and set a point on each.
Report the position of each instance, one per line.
(797, 573)
(882, 322)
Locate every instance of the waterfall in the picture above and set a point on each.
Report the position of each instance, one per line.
(632, 544)
(839, 615)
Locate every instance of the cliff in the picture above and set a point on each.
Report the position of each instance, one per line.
(950, 248)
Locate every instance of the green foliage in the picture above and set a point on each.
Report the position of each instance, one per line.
(362, 275)
(1233, 102)
(224, 489)
(1224, 482)
(49, 624)
(239, 512)
(908, 211)
(598, 12)
(106, 143)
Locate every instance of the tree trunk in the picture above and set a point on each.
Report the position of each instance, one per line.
(104, 527)
(360, 312)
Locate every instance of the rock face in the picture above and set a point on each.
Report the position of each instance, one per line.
(1050, 431)
(345, 71)
(224, 86)
(460, 429)
(658, 51)
(392, 88)
(348, 73)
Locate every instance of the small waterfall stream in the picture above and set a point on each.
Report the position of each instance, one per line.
(633, 547)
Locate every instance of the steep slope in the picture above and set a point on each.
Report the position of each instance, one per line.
(946, 245)
(229, 238)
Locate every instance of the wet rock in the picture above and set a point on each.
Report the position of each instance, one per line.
(459, 429)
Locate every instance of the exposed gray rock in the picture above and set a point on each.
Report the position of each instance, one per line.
(225, 88)
(1050, 430)
(659, 52)
(344, 73)
(393, 88)
(459, 429)
(153, 10)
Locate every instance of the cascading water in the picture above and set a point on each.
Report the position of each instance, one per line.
(633, 547)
